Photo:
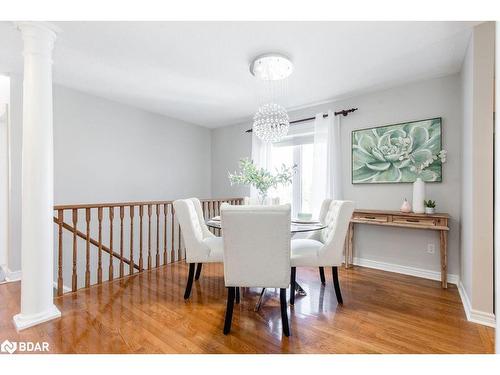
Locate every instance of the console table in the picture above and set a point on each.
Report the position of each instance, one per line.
(437, 222)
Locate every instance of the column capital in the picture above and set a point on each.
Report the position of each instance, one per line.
(38, 36)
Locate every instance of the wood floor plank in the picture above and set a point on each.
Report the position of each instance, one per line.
(383, 312)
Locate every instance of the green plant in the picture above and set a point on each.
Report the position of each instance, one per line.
(260, 178)
(430, 204)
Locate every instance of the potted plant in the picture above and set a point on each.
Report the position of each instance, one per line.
(261, 179)
(430, 207)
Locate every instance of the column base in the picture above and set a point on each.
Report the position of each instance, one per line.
(22, 321)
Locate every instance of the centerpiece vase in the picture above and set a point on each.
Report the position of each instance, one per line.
(418, 196)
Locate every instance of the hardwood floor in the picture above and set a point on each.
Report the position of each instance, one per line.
(382, 313)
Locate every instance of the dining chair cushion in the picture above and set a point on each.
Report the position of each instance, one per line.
(256, 246)
(305, 252)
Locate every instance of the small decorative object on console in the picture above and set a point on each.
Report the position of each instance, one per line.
(406, 206)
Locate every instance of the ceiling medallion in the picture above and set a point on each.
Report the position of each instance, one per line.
(271, 67)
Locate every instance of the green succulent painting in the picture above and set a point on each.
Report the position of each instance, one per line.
(398, 153)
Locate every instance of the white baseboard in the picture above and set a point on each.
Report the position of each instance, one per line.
(475, 316)
(66, 288)
(12, 276)
(405, 270)
(26, 321)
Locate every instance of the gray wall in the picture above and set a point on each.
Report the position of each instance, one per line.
(431, 98)
(466, 80)
(229, 145)
(109, 152)
(477, 80)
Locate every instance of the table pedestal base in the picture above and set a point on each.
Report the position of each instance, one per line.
(298, 289)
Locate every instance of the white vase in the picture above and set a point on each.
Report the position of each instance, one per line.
(418, 196)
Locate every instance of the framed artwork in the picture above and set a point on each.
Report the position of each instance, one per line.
(397, 153)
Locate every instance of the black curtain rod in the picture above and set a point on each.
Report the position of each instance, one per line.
(343, 112)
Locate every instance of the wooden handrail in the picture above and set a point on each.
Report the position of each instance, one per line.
(94, 242)
(125, 204)
(132, 218)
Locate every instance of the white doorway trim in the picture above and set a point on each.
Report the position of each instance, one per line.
(4, 174)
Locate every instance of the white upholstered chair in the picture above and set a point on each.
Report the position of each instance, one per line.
(256, 252)
(255, 201)
(202, 246)
(324, 248)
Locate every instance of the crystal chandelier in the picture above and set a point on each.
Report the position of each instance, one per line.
(271, 122)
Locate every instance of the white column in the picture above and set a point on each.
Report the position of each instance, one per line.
(497, 187)
(37, 256)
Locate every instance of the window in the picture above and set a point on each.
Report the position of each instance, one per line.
(296, 148)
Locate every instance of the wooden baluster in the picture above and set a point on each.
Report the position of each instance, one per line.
(141, 260)
(75, 252)
(111, 217)
(87, 248)
(157, 235)
(172, 238)
(205, 210)
(218, 213)
(99, 254)
(149, 236)
(210, 213)
(122, 265)
(131, 265)
(165, 206)
(60, 219)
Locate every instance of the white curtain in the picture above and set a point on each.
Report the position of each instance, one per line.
(261, 156)
(327, 169)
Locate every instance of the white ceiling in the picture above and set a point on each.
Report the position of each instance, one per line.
(198, 71)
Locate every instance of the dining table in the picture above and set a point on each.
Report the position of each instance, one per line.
(296, 226)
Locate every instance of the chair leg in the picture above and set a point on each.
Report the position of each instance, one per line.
(322, 275)
(237, 294)
(292, 286)
(284, 315)
(229, 309)
(189, 284)
(198, 271)
(336, 285)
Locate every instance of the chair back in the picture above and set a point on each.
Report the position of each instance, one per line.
(194, 230)
(268, 201)
(337, 219)
(256, 246)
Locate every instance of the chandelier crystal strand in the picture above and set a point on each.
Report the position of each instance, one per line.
(271, 122)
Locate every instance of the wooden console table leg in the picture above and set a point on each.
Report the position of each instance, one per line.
(346, 249)
(349, 249)
(444, 257)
